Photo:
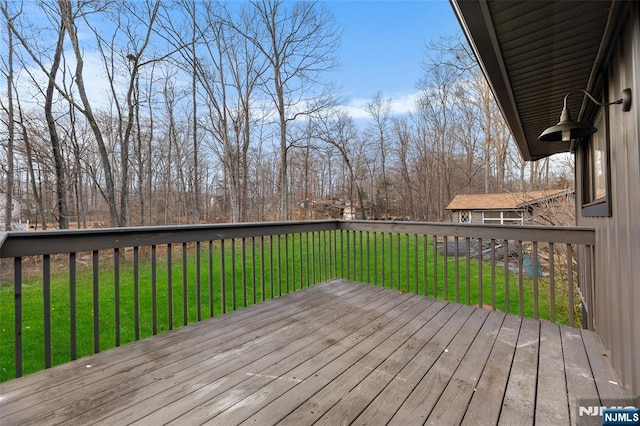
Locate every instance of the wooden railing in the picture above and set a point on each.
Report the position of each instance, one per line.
(67, 294)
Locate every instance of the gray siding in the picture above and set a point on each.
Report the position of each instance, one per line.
(617, 283)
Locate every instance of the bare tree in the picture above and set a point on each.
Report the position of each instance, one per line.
(299, 43)
(380, 111)
(339, 131)
(8, 73)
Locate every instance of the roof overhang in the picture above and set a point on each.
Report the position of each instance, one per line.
(533, 53)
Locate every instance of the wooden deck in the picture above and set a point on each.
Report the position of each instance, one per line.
(340, 352)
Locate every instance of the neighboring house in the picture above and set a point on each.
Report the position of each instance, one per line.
(513, 208)
(16, 208)
(534, 54)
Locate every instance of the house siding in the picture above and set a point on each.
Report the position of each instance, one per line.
(616, 310)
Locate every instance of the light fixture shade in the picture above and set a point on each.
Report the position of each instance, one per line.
(566, 131)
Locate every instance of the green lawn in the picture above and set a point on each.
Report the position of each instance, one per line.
(287, 264)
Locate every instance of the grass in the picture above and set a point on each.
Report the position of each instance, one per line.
(274, 267)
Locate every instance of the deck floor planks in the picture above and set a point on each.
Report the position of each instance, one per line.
(219, 396)
(518, 406)
(385, 405)
(338, 349)
(606, 378)
(180, 391)
(426, 394)
(136, 350)
(552, 406)
(486, 403)
(580, 381)
(140, 354)
(186, 357)
(321, 369)
(460, 389)
(343, 401)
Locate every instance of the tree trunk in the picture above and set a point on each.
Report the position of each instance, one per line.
(11, 128)
(68, 19)
(61, 186)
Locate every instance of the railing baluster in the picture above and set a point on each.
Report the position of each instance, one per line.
(493, 274)
(278, 254)
(233, 274)
(520, 280)
(534, 263)
(313, 256)
(210, 266)
(456, 272)
(116, 293)
(435, 266)
(570, 284)
(46, 301)
(244, 272)
(391, 262)
(339, 258)
(348, 255)
(96, 303)
(552, 284)
(361, 256)
(506, 276)
(375, 258)
(271, 263)
(382, 264)
(154, 295)
(198, 284)
(468, 270)
(307, 259)
(262, 271)
(368, 240)
(415, 263)
(325, 273)
(136, 293)
(170, 284)
(185, 292)
(73, 326)
(445, 268)
(425, 264)
(253, 268)
(286, 262)
(480, 284)
(17, 300)
(293, 262)
(399, 262)
(591, 251)
(223, 279)
(335, 253)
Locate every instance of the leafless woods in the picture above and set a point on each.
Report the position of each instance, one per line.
(125, 113)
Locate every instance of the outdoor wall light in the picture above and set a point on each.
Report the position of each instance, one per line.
(567, 129)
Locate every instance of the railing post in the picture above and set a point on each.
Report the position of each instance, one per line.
(96, 302)
(17, 292)
(46, 296)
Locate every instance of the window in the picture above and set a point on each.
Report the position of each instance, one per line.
(464, 216)
(595, 166)
(509, 217)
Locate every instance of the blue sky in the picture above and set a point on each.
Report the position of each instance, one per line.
(382, 48)
(383, 45)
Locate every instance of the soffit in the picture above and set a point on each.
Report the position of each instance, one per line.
(533, 53)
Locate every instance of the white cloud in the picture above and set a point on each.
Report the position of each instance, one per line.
(401, 103)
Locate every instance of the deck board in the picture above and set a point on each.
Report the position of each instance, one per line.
(486, 402)
(339, 352)
(551, 404)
